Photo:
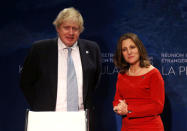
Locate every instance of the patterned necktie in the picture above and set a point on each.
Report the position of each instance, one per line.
(72, 87)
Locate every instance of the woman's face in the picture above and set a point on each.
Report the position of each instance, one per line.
(130, 52)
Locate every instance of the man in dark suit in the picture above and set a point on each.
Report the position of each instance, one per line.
(44, 74)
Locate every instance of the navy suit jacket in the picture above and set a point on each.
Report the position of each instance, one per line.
(39, 73)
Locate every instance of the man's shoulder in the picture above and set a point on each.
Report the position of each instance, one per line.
(87, 43)
(45, 43)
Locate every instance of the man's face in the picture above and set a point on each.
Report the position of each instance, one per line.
(68, 32)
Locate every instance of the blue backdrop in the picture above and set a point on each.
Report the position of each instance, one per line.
(160, 24)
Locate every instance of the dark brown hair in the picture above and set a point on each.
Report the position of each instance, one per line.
(119, 60)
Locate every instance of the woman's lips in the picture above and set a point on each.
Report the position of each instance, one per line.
(130, 57)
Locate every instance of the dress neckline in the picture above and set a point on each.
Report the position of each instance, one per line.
(142, 74)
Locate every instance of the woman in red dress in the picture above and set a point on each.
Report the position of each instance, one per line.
(140, 93)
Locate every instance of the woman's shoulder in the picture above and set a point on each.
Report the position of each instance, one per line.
(153, 70)
(149, 70)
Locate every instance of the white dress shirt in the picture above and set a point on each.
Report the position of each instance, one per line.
(61, 103)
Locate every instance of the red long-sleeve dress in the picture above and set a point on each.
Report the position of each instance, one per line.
(145, 96)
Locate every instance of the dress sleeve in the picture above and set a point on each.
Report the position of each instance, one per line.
(157, 98)
(117, 96)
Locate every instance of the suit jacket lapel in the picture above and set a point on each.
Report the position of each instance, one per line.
(53, 66)
(83, 54)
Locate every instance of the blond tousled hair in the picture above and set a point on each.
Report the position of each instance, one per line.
(69, 14)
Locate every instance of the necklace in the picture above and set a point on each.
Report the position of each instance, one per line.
(135, 73)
